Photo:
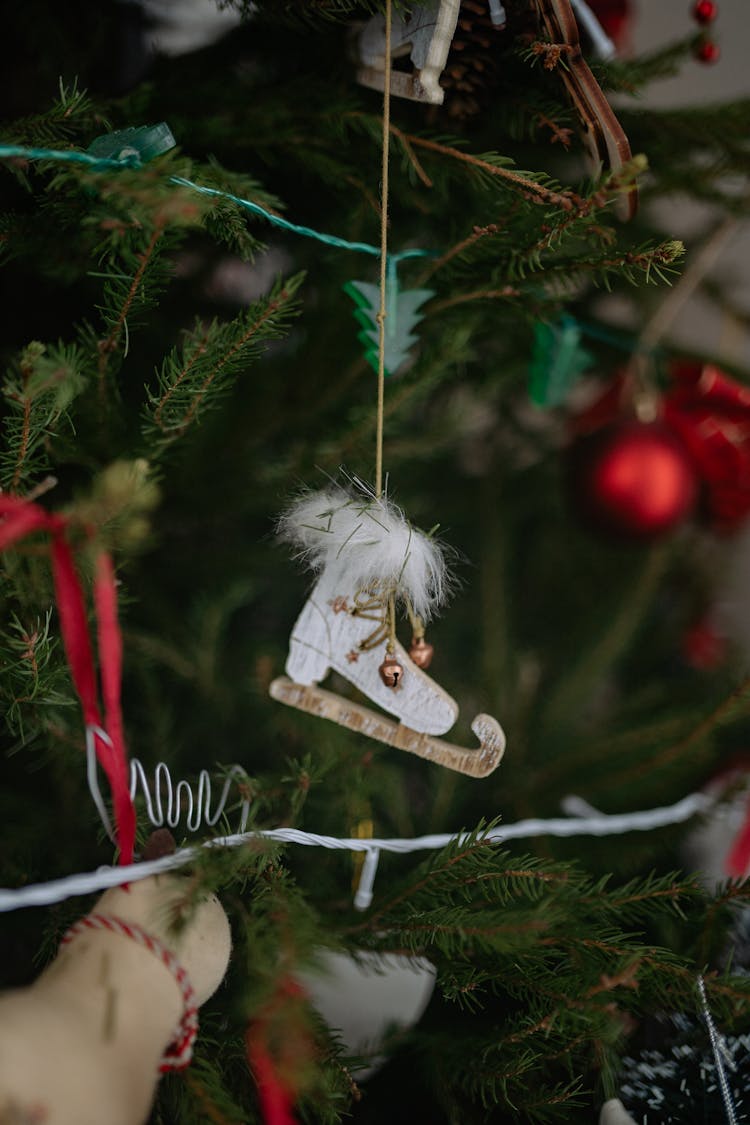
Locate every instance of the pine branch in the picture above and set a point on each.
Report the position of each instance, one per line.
(120, 296)
(38, 391)
(72, 114)
(632, 74)
(490, 164)
(733, 707)
(212, 355)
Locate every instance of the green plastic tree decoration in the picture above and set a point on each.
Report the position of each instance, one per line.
(402, 315)
(557, 360)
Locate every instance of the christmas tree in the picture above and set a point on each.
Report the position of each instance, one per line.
(217, 297)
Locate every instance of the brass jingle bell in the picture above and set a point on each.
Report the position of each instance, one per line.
(391, 672)
(421, 652)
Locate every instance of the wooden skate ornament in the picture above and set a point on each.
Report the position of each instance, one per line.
(327, 705)
(367, 558)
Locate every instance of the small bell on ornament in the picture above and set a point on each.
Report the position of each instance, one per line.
(420, 652)
(391, 672)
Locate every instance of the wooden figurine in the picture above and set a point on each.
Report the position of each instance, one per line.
(425, 35)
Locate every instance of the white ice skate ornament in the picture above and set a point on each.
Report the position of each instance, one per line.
(368, 559)
(425, 35)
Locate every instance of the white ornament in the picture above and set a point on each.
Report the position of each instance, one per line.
(366, 996)
(425, 35)
(614, 1113)
(82, 1045)
(363, 548)
(369, 558)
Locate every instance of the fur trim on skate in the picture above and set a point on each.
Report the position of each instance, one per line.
(361, 541)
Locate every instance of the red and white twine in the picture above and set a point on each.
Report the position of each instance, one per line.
(180, 1051)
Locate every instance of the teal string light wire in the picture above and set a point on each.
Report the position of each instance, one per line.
(70, 156)
(617, 340)
(133, 161)
(276, 220)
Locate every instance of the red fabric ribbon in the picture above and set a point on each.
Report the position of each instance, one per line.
(711, 414)
(737, 862)
(19, 519)
(278, 1047)
(276, 1096)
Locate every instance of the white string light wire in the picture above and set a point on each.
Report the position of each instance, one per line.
(599, 824)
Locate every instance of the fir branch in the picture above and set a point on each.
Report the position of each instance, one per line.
(72, 114)
(726, 711)
(38, 391)
(127, 298)
(458, 249)
(631, 74)
(506, 293)
(30, 674)
(442, 863)
(493, 165)
(212, 355)
(564, 704)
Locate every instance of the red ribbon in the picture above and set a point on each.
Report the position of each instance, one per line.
(275, 1095)
(737, 862)
(273, 1067)
(22, 518)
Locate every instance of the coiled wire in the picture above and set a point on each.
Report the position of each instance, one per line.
(167, 803)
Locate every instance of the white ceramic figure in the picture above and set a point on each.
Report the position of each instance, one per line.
(614, 1113)
(367, 996)
(83, 1044)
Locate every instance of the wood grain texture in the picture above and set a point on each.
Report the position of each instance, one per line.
(478, 762)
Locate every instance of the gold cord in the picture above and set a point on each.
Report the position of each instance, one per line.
(383, 254)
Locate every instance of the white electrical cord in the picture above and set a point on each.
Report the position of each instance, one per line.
(599, 824)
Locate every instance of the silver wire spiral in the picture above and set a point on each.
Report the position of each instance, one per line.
(166, 803)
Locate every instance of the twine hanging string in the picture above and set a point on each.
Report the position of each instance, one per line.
(383, 254)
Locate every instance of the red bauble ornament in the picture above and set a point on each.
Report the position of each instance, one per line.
(705, 11)
(633, 479)
(708, 51)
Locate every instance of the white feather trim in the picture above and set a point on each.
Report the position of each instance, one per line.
(359, 540)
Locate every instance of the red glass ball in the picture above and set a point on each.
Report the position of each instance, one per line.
(633, 479)
(708, 51)
(705, 11)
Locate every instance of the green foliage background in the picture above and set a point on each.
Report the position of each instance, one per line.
(178, 421)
